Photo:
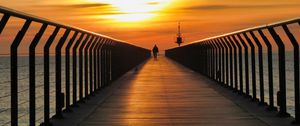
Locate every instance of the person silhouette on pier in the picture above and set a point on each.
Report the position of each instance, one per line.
(155, 51)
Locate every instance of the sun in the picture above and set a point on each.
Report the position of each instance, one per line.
(135, 10)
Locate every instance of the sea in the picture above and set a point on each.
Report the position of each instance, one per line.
(23, 87)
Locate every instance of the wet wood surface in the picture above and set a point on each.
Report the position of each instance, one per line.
(164, 93)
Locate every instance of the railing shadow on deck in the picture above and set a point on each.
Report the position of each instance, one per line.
(221, 59)
(101, 60)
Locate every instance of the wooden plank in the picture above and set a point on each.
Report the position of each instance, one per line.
(165, 93)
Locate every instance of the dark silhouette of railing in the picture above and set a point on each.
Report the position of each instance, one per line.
(216, 57)
(101, 60)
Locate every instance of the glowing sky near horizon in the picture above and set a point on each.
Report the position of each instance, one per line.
(149, 22)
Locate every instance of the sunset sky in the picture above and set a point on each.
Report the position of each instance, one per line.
(149, 22)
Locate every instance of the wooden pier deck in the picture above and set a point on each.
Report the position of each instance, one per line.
(164, 93)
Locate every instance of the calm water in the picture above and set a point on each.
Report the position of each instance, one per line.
(23, 89)
(24, 86)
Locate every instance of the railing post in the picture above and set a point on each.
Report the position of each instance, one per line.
(219, 79)
(208, 58)
(67, 73)
(226, 64)
(92, 64)
(254, 98)
(99, 63)
(230, 63)
(86, 67)
(261, 70)
(75, 47)
(87, 38)
(235, 63)
(270, 71)
(96, 61)
(223, 60)
(3, 22)
(58, 94)
(201, 53)
(282, 75)
(110, 61)
(47, 76)
(214, 61)
(240, 63)
(207, 51)
(32, 84)
(14, 72)
(246, 64)
(296, 71)
(211, 59)
(103, 65)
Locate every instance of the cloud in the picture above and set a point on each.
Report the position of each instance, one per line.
(153, 3)
(84, 5)
(222, 7)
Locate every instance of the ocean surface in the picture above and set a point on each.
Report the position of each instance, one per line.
(23, 88)
(23, 79)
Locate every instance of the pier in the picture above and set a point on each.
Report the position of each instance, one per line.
(100, 80)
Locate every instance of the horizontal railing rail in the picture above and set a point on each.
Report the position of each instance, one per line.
(97, 60)
(225, 59)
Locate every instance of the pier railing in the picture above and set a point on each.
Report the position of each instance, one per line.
(225, 59)
(97, 60)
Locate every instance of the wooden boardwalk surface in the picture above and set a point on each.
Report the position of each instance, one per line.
(163, 93)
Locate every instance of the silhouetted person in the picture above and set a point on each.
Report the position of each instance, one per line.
(155, 51)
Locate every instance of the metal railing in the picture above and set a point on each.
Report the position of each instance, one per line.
(101, 60)
(225, 59)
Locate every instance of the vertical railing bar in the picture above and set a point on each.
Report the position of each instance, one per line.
(231, 62)
(81, 67)
(208, 58)
(261, 71)
(204, 54)
(58, 94)
(296, 71)
(99, 64)
(4, 21)
(14, 72)
(47, 75)
(95, 64)
(102, 63)
(223, 60)
(75, 47)
(219, 61)
(254, 98)
(240, 51)
(211, 59)
(110, 61)
(281, 94)
(246, 64)
(86, 67)
(227, 70)
(235, 63)
(67, 73)
(270, 70)
(32, 84)
(106, 63)
(214, 60)
(91, 65)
